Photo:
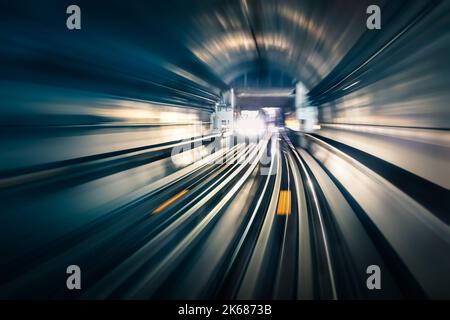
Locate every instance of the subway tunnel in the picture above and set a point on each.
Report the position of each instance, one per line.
(250, 149)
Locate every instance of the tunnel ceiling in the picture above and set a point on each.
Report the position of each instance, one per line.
(302, 39)
(186, 52)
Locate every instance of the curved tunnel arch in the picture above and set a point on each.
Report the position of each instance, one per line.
(289, 33)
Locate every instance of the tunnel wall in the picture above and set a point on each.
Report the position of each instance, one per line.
(405, 85)
(44, 124)
(394, 104)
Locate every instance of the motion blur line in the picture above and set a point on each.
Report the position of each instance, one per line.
(129, 266)
(170, 201)
(248, 288)
(284, 203)
(161, 271)
(304, 257)
(125, 270)
(255, 210)
(319, 214)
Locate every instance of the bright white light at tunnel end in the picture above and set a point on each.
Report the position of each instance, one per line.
(250, 127)
(272, 128)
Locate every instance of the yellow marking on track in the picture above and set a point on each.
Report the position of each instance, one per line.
(170, 201)
(284, 203)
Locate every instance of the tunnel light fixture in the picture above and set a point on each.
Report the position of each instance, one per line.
(266, 93)
(352, 85)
